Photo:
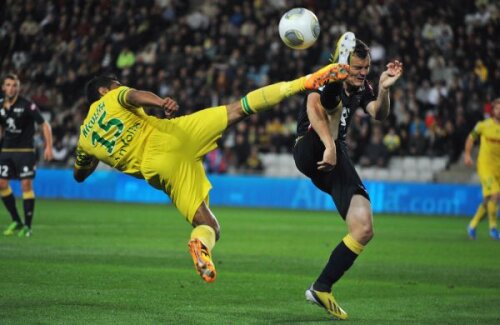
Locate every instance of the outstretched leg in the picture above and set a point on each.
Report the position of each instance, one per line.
(266, 97)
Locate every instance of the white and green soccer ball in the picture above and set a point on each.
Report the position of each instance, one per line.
(299, 28)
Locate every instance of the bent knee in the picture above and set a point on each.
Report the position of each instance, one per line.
(362, 232)
(4, 184)
(26, 187)
(368, 234)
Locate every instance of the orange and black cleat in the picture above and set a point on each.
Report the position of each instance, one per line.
(202, 260)
(330, 73)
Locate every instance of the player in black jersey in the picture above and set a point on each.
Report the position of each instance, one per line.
(321, 154)
(17, 159)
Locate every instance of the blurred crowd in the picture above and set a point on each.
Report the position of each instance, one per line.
(208, 53)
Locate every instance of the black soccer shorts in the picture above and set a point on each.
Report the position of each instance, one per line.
(341, 183)
(17, 165)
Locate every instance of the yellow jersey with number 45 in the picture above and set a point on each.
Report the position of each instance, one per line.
(115, 132)
(489, 149)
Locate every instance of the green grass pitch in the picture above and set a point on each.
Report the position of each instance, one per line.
(101, 263)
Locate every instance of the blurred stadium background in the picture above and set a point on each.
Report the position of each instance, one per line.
(206, 53)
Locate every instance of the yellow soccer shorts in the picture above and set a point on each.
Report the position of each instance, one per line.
(173, 157)
(490, 179)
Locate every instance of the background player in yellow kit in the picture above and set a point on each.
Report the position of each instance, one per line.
(168, 153)
(488, 168)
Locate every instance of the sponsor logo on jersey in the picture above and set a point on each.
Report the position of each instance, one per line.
(126, 139)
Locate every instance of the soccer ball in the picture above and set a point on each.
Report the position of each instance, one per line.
(299, 28)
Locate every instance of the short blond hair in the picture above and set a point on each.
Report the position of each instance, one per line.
(11, 76)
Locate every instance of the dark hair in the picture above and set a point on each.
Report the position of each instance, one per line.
(361, 50)
(93, 85)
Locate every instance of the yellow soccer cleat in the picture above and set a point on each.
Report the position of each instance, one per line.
(326, 301)
(202, 260)
(330, 73)
(345, 46)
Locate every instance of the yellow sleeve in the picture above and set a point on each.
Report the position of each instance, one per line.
(122, 97)
(478, 129)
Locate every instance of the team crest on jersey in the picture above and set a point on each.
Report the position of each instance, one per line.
(11, 125)
(345, 114)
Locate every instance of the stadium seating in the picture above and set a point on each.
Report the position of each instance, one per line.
(411, 169)
(232, 61)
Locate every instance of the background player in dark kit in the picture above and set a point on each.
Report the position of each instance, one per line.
(18, 158)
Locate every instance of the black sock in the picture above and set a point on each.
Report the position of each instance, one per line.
(29, 207)
(340, 261)
(10, 203)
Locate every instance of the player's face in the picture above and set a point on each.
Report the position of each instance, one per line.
(10, 88)
(359, 70)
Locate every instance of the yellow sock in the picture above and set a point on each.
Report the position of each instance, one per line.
(492, 213)
(353, 244)
(205, 234)
(480, 213)
(6, 192)
(28, 195)
(268, 96)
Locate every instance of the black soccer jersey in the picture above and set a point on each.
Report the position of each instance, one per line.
(18, 123)
(330, 99)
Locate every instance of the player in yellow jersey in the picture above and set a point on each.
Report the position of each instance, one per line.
(168, 153)
(488, 168)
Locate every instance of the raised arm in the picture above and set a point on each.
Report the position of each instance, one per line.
(141, 98)
(379, 108)
(320, 123)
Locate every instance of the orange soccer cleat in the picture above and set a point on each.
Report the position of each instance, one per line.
(202, 260)
(330, 73)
